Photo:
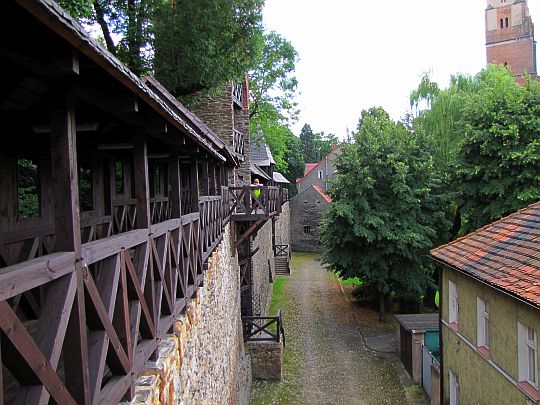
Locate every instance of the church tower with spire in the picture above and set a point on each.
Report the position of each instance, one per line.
(510, 36)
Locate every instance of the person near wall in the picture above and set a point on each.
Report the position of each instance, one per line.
(256, 193)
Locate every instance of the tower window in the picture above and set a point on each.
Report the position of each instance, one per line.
(506, 22)
(502, 23)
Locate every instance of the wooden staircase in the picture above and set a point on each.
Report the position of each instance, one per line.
(283, 267)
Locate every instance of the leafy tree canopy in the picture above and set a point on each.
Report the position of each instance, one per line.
(484, 131)
(498, 164)
(189, 45)
(272, 83)
(203, 44)
(388, 209)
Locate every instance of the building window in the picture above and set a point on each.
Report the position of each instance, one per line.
(482, 323)
(119, 177)
(502, 23)
(528, 354)
(28, 189)
(453, 303)
(506, 22)
(86, 188)
(307, 230)
(320, 174)
(454, 389)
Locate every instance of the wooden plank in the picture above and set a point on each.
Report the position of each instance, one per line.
(22, 342)
(120, 363)
(65, 177)
(100, 249)
(117, 386)
(51, 331)
(16, 279)
(174, 176)
(76, 347)
(98, 340)
(140, 171)
(194, 183)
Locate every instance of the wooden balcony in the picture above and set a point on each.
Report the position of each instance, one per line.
(106, 319)
(244, 205)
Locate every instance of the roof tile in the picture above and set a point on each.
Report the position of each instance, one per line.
(505, 254)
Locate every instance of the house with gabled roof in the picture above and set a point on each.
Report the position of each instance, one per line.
(320, 173)
(490, 312)
(312, 200)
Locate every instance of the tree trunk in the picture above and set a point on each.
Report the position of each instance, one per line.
(100, 17)
(456, 226)
(382, 308)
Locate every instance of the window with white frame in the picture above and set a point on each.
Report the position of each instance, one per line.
(454, 389)
(320, 174)
(528, 354)
(482, 323)
(453, 302)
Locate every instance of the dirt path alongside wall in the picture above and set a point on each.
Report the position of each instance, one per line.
(326, 361)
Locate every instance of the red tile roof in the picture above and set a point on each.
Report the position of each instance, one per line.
(505, 254)
(309, 167)
(321, 192)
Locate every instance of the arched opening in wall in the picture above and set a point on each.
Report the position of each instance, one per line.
(506, 22)
(502, 23)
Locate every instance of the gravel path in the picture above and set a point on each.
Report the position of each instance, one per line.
(325, 359)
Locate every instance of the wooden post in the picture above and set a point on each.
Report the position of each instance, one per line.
(174, 176)
(195, 183)
(68, 238)
(219, 178)
(205, 179)
(140, 171)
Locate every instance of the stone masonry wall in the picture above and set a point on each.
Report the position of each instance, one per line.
(263, 267)
(283, 226)
(203, 361)
(221, 117)
(306, 211)
(266, 360)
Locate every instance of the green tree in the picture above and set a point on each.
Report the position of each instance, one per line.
(272, 81)
(309, 148)
(324, 144)
(388, 209)
(484, 136)
(201, 45)
(498, 167)
(189, 45)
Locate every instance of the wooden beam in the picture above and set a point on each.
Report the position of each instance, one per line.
(81, 127)
(65, 177)
(68, 238)
(194, 183)
(140, 170)
(115, 146)
(23, 346)
(175, 179)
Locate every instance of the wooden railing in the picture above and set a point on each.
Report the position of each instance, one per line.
(160, 209)
(238, 142)
(284, 193)
(124, 215)
(282, 250)
(244, 205)
(211, 214)
(238, 95)
(263, 328)
(105, 312)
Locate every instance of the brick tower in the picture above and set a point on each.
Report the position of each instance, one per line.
(510, 36)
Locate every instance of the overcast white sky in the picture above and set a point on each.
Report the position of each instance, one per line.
(355, 54)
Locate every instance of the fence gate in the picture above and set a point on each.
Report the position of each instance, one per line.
(427, 361)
